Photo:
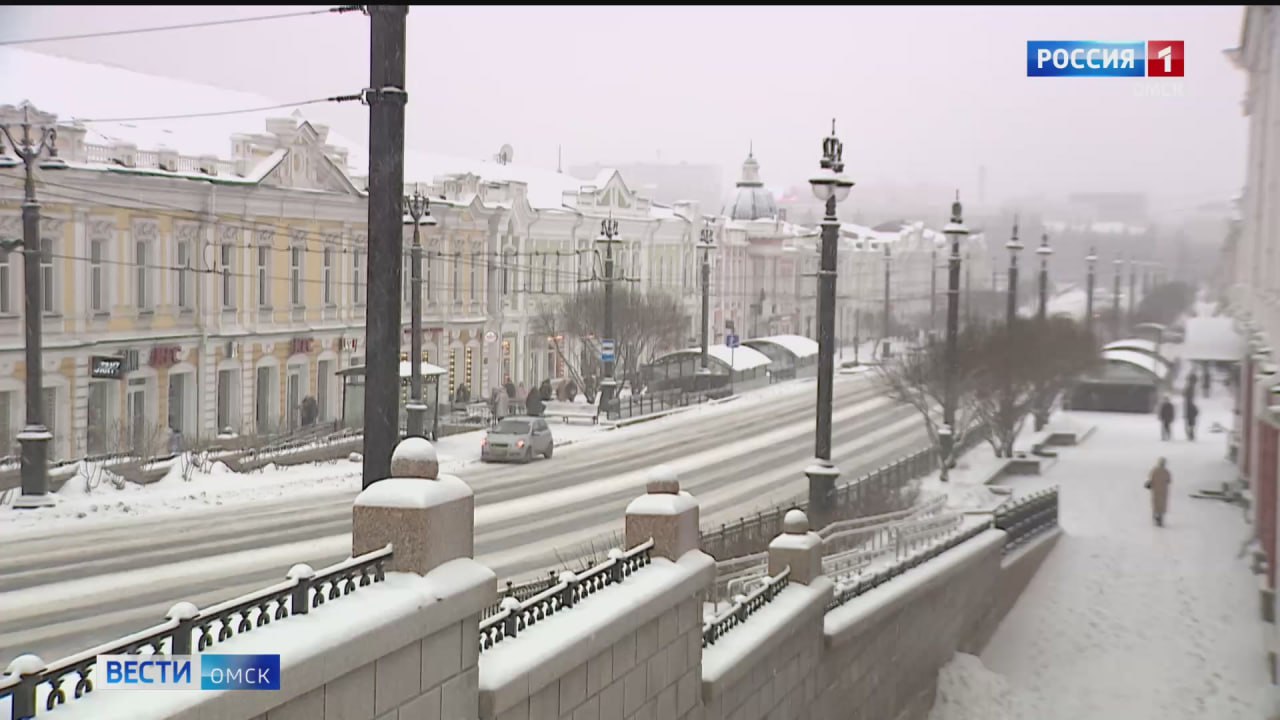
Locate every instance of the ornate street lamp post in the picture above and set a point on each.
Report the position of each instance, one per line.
(1044, 251)
(706, 243)
(956, 232)
(830, 186)
(1091, 259)
(35, 436)
(419, 208)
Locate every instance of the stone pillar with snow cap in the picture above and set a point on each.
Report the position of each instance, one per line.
(798, 548)
(428, 518)
(666, 514)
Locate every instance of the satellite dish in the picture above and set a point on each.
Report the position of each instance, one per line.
(504, 155)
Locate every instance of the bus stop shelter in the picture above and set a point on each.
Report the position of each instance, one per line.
(353, 379)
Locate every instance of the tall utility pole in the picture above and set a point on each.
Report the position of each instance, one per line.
(35, 436)
(1115, 301)
(830, 186)
(885, 326)
(1044, 251)
(608, 237)
(1091, 259)
(956, 231)
(386, 98)
(706, 242)
(933, 290)
(418, 206)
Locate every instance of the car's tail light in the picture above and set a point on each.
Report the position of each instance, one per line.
(519, 444)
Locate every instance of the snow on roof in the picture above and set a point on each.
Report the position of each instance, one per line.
(1139, 360)
(73, 89)
(797, 345)
(740, 358)
(546, 188)
(406, 369)
(1146, 347)
(1212, 338)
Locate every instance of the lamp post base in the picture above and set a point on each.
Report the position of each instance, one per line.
(822, 476)
(417, 418)
(35, 468)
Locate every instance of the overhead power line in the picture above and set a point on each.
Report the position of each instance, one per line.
(184, 26)
(218, 113)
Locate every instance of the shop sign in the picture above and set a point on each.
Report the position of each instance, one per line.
(165, 356)
(106, 368)
(302, 345)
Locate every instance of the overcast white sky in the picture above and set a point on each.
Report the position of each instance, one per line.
(922, 94)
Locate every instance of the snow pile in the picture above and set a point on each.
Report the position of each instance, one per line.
(967, 690)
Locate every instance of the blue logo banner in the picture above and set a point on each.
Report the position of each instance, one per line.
(1085, 58)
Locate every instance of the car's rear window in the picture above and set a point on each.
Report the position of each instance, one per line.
(513, 427)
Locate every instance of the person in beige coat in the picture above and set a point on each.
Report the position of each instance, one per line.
(1158, 483)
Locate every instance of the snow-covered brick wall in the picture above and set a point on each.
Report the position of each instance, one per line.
(630, 650)
(883, 649)
(407, 646)
(766, 667)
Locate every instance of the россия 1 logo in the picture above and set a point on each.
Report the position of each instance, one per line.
(1087, 58)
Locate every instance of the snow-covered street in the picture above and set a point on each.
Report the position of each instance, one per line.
(1124, 619)
(62, 591)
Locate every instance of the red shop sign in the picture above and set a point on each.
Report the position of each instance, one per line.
(162, 357)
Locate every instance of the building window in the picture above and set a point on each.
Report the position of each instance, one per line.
(6, 296)
(543, 284)
(184, 262)
(328, 276)
(475, 281)
(357, 294)
(506, 272)
(264, 287)
(295, 275)
(96, 301)
(228, 279)
(142, 274)
(456, 288)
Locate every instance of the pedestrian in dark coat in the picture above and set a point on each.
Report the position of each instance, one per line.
(1158, 482)
(1166, 419)
(1190, 413)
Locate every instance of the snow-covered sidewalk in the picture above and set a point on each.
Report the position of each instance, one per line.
(1124, 619)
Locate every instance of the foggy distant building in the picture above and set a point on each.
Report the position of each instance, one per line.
(1125, 207)
(668, 183)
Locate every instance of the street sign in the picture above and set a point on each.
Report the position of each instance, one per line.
(731, 340)
(606, 351)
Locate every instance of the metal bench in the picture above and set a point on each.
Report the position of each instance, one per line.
(565, 410)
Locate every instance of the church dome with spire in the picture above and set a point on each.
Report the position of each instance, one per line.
(751, 201)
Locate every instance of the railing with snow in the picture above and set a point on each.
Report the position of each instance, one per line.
(744, 606)
(727, 540)
(1024, 519)
(849, 545)
(28, 676)
(523, 591)
(918, 551)
(515, 616)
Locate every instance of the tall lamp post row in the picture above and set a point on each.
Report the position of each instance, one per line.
(1042, 399)
(34, 438)
(831, 187)
(955, 231)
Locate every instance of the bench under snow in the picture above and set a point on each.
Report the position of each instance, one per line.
(565, 410)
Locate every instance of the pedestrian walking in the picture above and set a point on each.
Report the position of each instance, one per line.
(1190, 413)
(1166, 419)
(1158, 482)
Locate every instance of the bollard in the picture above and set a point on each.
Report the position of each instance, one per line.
(184, 613)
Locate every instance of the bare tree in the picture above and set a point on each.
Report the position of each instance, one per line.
(918, 377)
(644, 323)
(1022, 366)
